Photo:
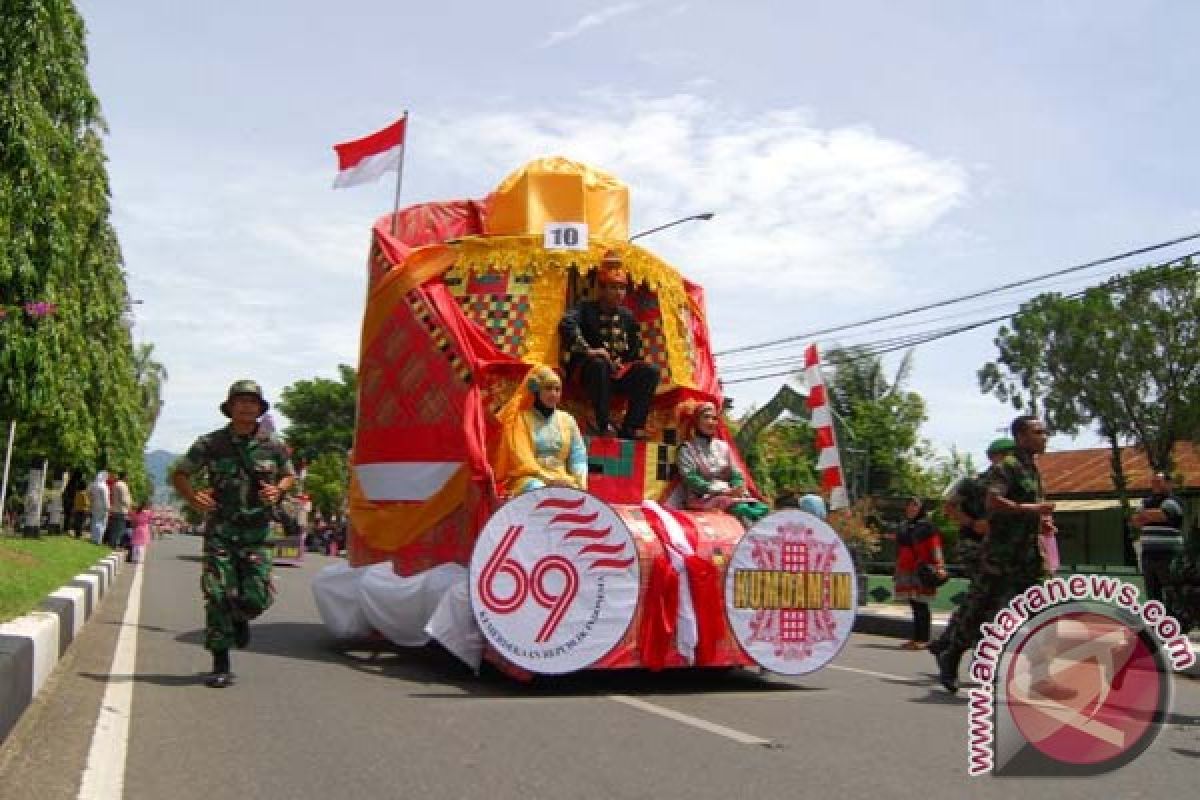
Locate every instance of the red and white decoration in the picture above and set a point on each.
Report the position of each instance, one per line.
(554, 580)
(364, 160)
(801, 612)
(829, 462)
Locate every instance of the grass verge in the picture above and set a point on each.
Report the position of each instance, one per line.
(32, 568)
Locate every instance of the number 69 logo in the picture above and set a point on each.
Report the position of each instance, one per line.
(554, 580)
(526, 583)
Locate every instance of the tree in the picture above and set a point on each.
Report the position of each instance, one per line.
(66, 376)
(782, 459)
(881, 415)
(1122, 357)
(321, 413)
(325, 483)
(151, 376)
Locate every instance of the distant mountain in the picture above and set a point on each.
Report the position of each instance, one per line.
(157, 463)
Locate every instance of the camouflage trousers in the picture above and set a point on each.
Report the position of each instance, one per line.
(1005, 569)
(968, 553)
(990, 591)
(236, 581)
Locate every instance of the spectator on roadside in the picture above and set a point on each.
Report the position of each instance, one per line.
(140, 520)
(917, 544)
(118, 512)
(99, 500)
(1161, 522)
(81, 504)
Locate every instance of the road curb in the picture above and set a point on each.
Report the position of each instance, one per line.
(30, 646)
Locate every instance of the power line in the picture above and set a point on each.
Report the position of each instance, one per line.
(911, 340)
(962, 298)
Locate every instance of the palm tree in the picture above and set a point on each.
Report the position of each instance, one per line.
(150, 376)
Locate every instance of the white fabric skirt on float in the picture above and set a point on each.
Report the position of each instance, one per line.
(410, 611)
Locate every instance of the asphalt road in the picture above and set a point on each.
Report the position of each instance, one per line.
(311, 718)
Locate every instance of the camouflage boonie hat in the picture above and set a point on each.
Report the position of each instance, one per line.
(245, 387)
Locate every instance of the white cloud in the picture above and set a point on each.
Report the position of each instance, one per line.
(798, 207)
(252, 267)
(588, 21)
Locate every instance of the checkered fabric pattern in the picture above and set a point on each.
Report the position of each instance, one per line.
(497, 302)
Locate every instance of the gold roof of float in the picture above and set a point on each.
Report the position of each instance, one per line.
(558, 189)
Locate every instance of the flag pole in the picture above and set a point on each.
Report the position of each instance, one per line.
(400, 173)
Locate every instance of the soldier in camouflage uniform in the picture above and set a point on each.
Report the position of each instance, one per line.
(249, 471)
(1010, 561)
(966, 504)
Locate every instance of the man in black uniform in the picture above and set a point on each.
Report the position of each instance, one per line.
(605, 346)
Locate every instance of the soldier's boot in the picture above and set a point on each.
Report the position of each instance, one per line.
(220, 677)
(947, 662)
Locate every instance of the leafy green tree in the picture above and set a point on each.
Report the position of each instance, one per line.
(1122, 358)
(151, 377)
(66, 368)
(782, 459)
(321, 413)
(325, 483)
(880, 415)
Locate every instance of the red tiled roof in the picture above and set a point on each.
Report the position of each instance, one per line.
(1087, 471)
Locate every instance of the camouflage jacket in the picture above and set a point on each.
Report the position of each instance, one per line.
(1016, 479)
(237, 467)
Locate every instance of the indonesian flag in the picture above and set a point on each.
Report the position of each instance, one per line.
(829, 462)
(365, 159)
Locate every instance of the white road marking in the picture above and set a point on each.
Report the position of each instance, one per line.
(104, 775)
(884, 675)
(695, 722)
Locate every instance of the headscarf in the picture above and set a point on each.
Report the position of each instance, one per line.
(513, 457)
(540, 377)
(813, 504)
(688, 412)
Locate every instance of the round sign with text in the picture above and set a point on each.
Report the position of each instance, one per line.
(554, 580)
(790, 593)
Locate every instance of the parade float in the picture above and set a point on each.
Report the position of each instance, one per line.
(463, 297)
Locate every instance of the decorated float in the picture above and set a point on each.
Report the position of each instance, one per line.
(463, 298)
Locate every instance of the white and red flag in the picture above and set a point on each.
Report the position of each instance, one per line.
(365, 159)
(829, 462)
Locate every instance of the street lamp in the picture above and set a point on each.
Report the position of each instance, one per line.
(706, 216)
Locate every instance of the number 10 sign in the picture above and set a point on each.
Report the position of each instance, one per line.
(566, 236)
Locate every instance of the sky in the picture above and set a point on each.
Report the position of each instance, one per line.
(860, 158)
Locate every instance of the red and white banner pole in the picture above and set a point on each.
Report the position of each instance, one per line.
(829, 461)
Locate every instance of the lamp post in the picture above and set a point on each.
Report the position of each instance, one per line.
(706, 216)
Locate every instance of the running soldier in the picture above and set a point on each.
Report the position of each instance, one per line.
(249, 471)
(966, 504)
(1010, 561)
